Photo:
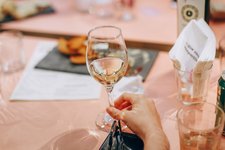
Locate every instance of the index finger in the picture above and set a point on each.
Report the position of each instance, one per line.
(125, 98)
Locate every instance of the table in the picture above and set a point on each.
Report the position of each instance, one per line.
(40, 125)
(155, 23)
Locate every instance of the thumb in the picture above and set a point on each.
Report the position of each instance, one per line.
(115, 113)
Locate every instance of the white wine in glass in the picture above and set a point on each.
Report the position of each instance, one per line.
(107, 62)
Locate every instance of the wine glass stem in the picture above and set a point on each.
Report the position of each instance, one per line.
(109, 90)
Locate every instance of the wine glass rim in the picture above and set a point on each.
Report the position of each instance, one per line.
(105, 26)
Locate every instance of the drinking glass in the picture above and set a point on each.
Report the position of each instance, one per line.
(11, 65)
(200, 126)
(126, 7)
(12, 54)
(102, 8)
(192, 86)
(107, 61)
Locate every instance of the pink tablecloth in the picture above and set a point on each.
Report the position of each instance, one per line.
(50, 124)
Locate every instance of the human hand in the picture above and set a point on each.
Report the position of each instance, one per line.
(140, 115)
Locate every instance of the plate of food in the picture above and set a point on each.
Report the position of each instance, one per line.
(69, 56)
(11, 10)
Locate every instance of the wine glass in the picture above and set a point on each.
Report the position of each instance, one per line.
(107, 62)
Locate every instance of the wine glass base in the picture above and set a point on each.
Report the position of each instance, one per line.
(104, 121)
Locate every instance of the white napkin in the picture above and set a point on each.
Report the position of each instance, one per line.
(196, 43)
(194, 51)
(132, 84)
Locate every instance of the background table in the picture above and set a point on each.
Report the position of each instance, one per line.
(155, 23)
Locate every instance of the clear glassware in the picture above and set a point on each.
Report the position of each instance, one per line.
(200, 126)
(11, 63)
(107, 62)
(12, 54)
(126, 7)
(102, 8)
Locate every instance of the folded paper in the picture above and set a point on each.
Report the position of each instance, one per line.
(194, 52)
